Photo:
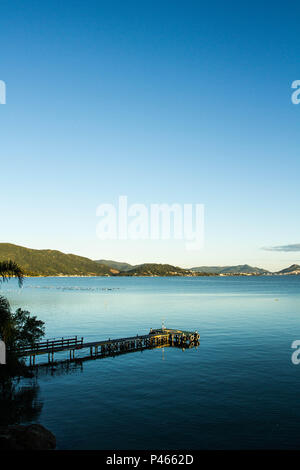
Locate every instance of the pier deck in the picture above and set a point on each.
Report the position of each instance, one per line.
(155, 338)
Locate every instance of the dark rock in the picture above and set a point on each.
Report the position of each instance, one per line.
(32, 437)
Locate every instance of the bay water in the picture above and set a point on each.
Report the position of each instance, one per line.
(238, 390)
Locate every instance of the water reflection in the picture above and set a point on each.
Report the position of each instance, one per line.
(19, 404)
(76, 365)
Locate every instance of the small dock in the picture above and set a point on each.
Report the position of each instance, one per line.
(156, 338)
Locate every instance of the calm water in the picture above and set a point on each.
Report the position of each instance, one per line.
(239, 389)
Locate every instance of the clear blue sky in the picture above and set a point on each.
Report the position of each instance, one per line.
(163, 101)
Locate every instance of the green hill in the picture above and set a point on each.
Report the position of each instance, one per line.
(154, 269)
(115, 264)
(51, 262)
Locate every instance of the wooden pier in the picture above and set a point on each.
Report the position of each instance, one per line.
(158, 337)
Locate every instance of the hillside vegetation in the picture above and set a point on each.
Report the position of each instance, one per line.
(115, 264)
(153, 269)
(51, 262)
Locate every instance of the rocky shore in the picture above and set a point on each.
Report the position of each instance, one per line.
(31, 437)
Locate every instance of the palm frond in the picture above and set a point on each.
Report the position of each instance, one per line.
(9, 269)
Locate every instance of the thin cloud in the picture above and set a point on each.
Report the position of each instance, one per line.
(294, 247)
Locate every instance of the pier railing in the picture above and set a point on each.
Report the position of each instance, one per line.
(52, 345)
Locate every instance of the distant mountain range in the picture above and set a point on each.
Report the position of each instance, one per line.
(239, 269)
(294, 269)
(55, 263)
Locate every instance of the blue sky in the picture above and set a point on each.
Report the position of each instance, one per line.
(162, 101)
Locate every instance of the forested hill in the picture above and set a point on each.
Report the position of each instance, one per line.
(154, 269)
(118, 265)
(51, 262)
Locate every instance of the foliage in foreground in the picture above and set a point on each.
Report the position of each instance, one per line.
(18, 328)
(9, 269)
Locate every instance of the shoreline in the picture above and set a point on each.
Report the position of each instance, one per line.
(157, 275)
